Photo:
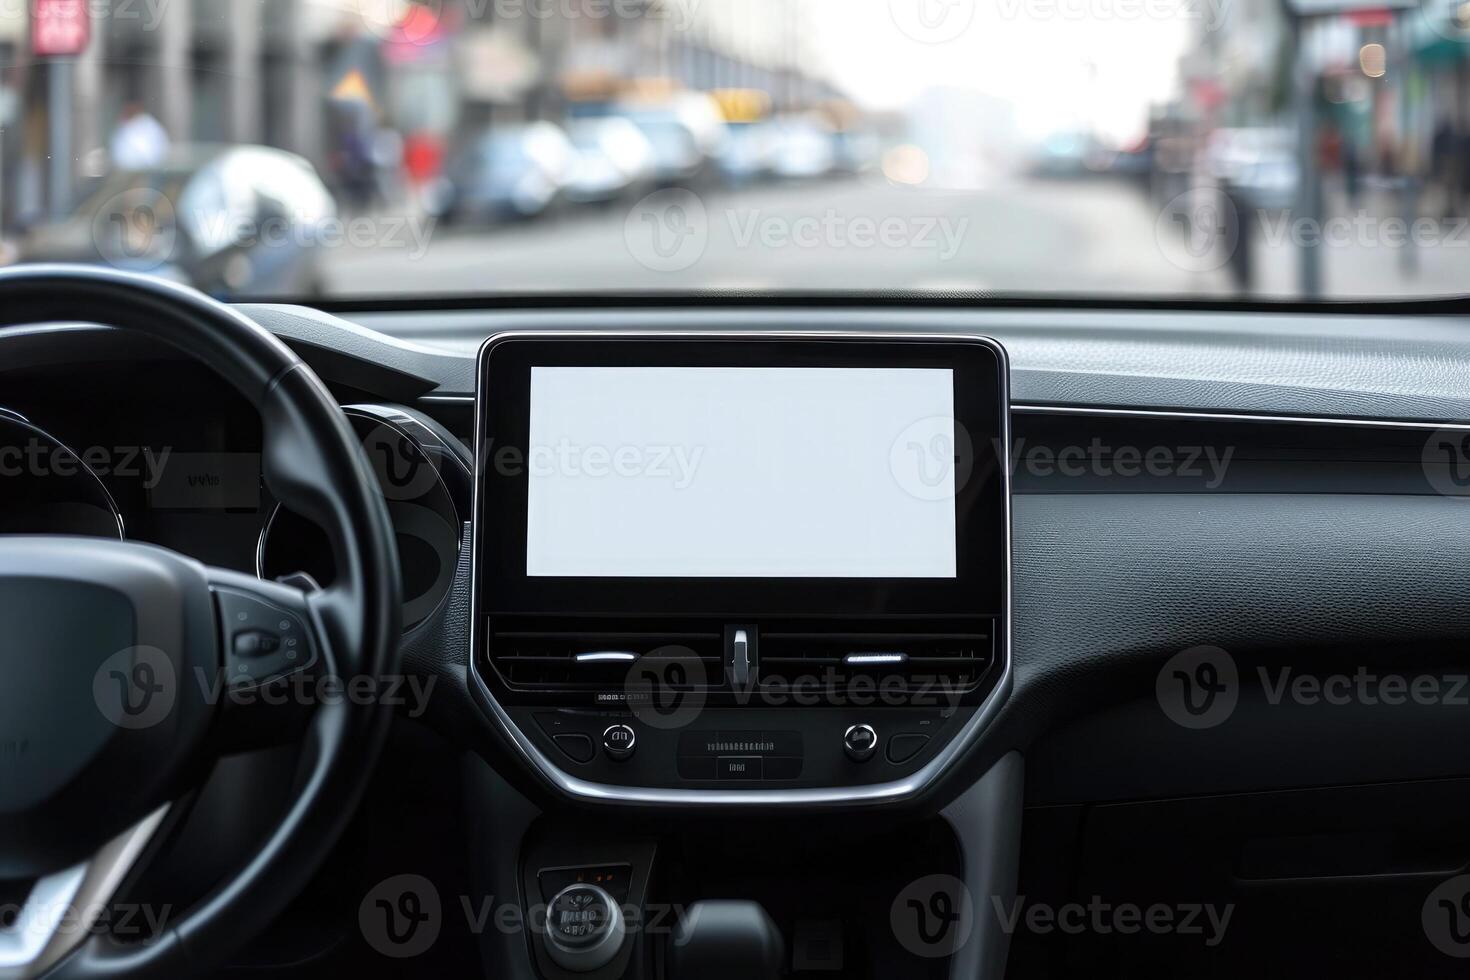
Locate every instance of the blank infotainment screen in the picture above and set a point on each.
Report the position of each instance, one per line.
(741, 472)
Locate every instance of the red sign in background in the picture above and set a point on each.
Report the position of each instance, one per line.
(59, 27)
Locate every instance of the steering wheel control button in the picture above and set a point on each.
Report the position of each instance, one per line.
(256, 643)
(904, 746)
(584, 928)
(860, 742)
(575, 746)
(618, 741)
(263, 640)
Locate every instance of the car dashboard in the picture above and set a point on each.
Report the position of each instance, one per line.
(1158, 494)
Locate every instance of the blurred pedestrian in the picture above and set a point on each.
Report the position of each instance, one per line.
(1352, 170)
(139, 142)
(1442, 164)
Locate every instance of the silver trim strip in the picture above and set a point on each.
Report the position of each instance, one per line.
(1044, 409)
(869, 659)
(62, 908)
(1027, 408)
(607, 657)
(873, 793)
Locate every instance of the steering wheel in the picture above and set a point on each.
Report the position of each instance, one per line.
(128, 668)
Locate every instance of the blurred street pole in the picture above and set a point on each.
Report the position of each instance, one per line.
(59, 121)
(1309, 184)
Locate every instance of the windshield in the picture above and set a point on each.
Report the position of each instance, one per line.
(1280, 149)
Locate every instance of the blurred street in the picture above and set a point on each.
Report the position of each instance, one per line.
(839, 234)
(353, 149)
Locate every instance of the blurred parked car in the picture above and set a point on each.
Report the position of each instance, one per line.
(748, 152)
(1070, 154)
(614, 159)
(512, 171)
(229, 220)
(855, 151)
(1258, 163)
(1270, 183)
(803, 148)
(687, 132)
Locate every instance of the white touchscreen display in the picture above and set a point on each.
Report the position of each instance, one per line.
(741, 472)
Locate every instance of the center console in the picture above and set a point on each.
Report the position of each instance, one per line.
(727, 569)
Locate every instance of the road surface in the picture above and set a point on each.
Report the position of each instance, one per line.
(1082, 237)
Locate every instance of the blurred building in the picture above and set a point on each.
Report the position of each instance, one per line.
(313, 76)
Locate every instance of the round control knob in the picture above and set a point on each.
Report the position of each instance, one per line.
(618, 742)
(584, 928)
(861, 742)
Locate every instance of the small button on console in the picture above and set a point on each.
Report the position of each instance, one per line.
(618, 742)
(861, 742)
(576, 746)
(904, 746)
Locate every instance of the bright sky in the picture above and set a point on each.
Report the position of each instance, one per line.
(1063, 64)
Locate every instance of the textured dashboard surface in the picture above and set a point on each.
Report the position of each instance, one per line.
(1104, 582)
(1411, 367)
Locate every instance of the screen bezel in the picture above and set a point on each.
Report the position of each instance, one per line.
(502, 425)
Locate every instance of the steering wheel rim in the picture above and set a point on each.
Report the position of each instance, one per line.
(312, 462)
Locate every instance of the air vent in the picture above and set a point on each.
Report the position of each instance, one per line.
(601, 656)
(951, 658)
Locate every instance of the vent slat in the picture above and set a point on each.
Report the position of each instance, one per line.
(532, 654)
(537, 656)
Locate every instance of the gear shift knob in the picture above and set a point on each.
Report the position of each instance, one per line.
(726, 940)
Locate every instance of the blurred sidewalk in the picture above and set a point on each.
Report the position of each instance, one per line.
(1361, 255)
